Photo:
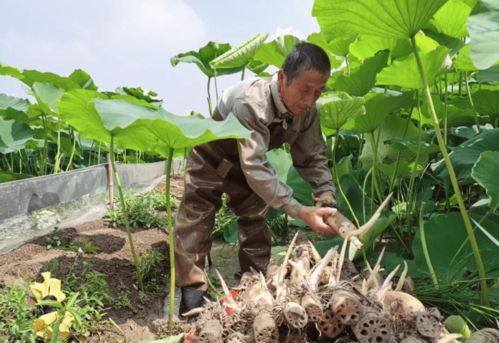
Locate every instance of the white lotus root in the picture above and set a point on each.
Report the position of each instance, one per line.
(295, 315)
(309, 298)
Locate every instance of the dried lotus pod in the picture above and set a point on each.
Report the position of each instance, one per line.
(313, 307)
(329, 325)
(346, 306)
(373, 328)
(237, 337)
(428, 325)
(265, 329)
(295, 315)
(210, 332)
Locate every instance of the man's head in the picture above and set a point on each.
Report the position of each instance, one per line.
(303, 77)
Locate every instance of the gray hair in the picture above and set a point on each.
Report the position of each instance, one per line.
(305, 56)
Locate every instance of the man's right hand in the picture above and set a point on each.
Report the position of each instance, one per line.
(315, 218)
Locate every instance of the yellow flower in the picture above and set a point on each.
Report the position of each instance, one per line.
(44, 329)
(49, 286)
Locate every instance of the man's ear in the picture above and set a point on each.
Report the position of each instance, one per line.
(281, 77)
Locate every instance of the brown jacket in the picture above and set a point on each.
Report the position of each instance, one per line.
(258, 106)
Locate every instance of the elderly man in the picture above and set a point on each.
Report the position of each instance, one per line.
(276, 110)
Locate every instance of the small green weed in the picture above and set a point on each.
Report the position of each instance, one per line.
(16, 315)
(85, 247)
(151, 269)
(143, 210)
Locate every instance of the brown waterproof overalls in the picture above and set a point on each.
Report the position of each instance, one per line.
(241, 170)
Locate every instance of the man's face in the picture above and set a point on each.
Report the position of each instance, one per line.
(301, 94)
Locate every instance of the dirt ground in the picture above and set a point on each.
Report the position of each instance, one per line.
(113, 260)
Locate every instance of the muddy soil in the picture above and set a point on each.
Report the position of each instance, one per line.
(146, 319)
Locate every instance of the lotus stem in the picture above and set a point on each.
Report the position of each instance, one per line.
(484, 299)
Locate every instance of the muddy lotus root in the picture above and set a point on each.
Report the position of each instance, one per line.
(313, 307)
(346, 306)
(295, 315)
(211, 332)
(428, 325)
(329, 325)
(265, 329)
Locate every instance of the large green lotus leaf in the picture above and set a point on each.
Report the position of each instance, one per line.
(283, 165)
(164, 130)
(83, 79)
(404, 73)
(449, 248)
(464, 156)
(10, 71)
(456, 115)
(385, 18)
(336, 108)
(47, 95)
(484, 35)
(378, 106)
(239, 56)
(451, 18)
(367, 46)
(490, 75)
(391, 128)
(340, 46)
(275, 52)
(487, 102)
(361, 80)
(77, 109)
(413, 145)
(29, 77)
(319, 40)
(257, 67)
(463, 60)
(13, 135)
(204, 56)
(6, 176)
(18, 104)
(485, 173)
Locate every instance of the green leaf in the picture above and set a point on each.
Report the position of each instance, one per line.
(161, 130)
(18, 104)
(367, 46)
(361, 80)
(486, 102)
(484, 35)
(239, 56)
(318, 39)
(489, 75)
(47, 94)
(83, 79)
(13, 135)
(463, 60)
(378, 106)
(282, 163)
(485, 173)
(341, 46)
(275, 52)
(404, 73)
(336, 109)
(204, 56)
(464, 156)
(451, 19)
(385, 18)
(6, 176)
(449, 248)
(392, 127)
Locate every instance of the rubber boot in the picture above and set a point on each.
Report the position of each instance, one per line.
(191, 298)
